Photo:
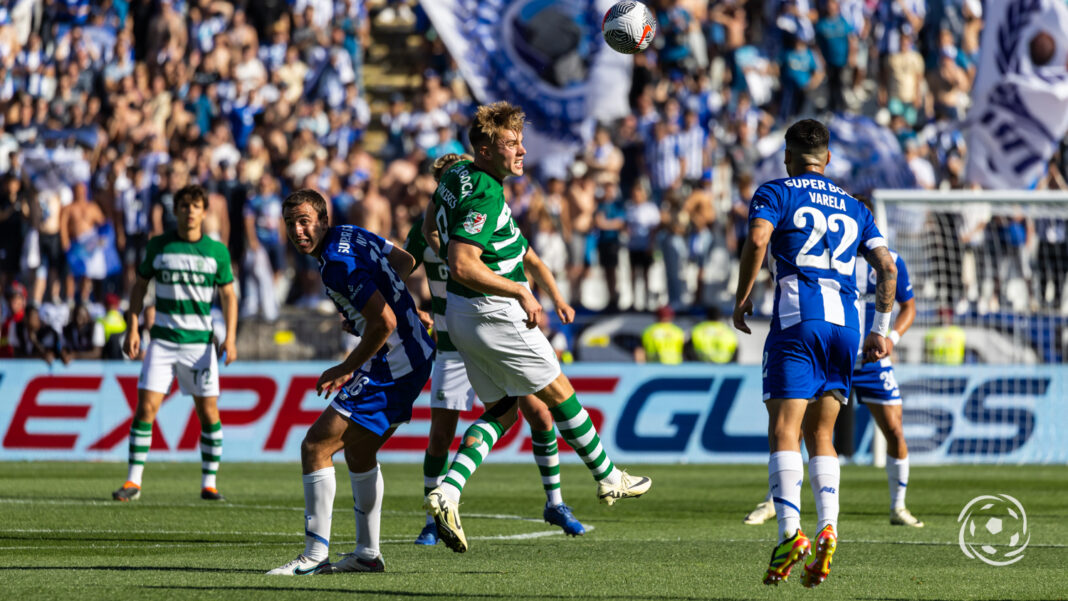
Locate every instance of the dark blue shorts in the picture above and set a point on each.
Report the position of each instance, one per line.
(809, 359)
(875, 383)
(378, 406)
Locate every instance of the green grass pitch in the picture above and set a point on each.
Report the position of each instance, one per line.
(61, 537)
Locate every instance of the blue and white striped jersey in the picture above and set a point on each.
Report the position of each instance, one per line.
(818, 230)
(354, 265)
(866, 280)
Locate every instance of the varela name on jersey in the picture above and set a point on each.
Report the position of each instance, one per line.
(819, 229)
(354, 265)
(469, 205)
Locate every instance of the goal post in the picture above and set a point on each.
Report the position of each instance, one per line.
(988, 270)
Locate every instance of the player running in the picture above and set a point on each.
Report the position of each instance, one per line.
(188, 267)
(813, 229)
(875, 385)
(376, 384)
(451, 392)
(492, 317)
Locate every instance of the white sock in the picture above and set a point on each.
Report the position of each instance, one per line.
(613, 476)
(825, 475)
(897, 477)
(319, 488)
(768, 498)
(135, 473)
(786, 471)
(367, 489)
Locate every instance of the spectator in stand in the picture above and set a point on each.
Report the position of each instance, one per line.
(665, 161)
(905, 72)
(37, 340)
(14, 215)
(802, 72)
(610, 221)
(838, 43)
(15, 295)
(83, 336)
(643, 222)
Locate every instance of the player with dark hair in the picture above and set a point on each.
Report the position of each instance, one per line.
(187, 266)
(376, 384)
(812, 230)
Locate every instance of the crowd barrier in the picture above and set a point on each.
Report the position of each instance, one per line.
(646, 414)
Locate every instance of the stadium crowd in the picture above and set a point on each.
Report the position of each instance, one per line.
(109, 107)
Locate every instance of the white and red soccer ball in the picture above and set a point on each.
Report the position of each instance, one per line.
(628, 27)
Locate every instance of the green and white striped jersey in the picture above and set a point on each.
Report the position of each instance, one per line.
(437, 274)
(186, 275)
(469, 205)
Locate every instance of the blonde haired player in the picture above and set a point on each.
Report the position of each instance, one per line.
(188, 267)
(451, 391)
(492, 317)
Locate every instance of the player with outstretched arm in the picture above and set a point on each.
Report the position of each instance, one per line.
(376, 384)
(812, 230)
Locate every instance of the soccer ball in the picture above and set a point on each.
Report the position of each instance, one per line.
(628, 27)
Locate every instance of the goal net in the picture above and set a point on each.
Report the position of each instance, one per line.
(984, 355)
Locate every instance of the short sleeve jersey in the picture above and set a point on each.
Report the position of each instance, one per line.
(469, 206)
(186, 275)
(437, 275)
(354, 265)
(866, 280)
(812, 256)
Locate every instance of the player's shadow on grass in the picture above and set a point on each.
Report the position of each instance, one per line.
(132, 569)
(433, 595)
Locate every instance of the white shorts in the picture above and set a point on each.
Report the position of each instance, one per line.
(503, 356)
(195, 366)
(449, 386)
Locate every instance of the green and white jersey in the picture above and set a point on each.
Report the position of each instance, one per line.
(186, 275)
(469, 205)
(437, 275)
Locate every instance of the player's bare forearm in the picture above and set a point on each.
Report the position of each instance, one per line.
(401, 261)
(380, 322)
(137, 303)
(228, 300)
(886, 278)
(467, 268)
(905, 317)
(542, 276)
(430, 229)
(756, 244)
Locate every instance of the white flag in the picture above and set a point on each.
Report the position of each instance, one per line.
(1019, 107)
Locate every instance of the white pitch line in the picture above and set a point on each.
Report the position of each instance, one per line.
(227, 505)
(406, 541)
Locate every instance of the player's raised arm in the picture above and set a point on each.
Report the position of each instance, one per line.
(756, 244)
